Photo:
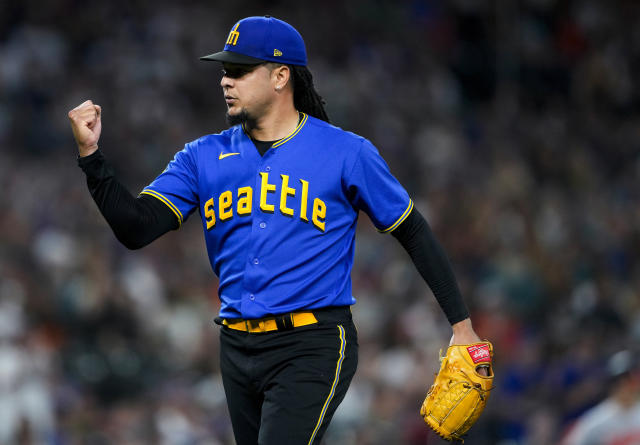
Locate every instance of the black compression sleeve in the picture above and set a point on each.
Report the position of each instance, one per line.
(431, 261)
(135, 221)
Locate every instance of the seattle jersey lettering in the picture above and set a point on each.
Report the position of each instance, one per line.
(271, 196)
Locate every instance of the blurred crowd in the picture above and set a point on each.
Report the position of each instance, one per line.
(514, 125)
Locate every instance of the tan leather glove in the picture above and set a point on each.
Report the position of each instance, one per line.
(459, 393)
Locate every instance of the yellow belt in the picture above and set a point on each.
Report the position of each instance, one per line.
(268, 324)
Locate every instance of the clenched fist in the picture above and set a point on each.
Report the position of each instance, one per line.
(86, 126)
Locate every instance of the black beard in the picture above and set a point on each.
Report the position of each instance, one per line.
(241, 118)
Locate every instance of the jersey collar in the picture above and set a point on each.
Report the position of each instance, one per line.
(284, 140)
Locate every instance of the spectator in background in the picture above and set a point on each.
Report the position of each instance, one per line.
(615, 420)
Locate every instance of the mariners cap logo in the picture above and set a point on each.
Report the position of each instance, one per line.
(233, 35)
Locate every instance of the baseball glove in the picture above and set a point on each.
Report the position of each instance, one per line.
(459, 393)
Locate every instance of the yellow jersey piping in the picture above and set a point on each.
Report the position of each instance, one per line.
(399, 221)
(165, 200)
(343, 343)
(286, 138)
(296, 131)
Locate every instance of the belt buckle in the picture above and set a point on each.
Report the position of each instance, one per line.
(253, 325)
(285, 322)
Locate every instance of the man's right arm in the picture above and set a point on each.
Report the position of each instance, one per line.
(135, 221)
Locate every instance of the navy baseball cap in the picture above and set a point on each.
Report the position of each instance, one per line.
(255, 40)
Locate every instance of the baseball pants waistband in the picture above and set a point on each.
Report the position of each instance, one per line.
(285, 322)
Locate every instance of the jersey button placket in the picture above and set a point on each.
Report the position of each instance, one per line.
(258, 225)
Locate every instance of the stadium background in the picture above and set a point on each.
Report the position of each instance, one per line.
(513, 124)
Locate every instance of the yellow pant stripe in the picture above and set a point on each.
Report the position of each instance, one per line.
(343, 343)
(165, 200)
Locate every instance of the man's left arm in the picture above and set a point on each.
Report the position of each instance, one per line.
(415, 235)
(372, 188)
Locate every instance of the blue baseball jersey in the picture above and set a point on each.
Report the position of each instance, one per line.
(280, 228)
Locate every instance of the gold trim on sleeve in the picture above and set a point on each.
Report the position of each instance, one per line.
(166, 201)
(399, 221)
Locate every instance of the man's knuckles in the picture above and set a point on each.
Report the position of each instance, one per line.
(85, 104)
(80, 116)
(86, 107)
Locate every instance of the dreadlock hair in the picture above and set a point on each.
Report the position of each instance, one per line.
(305, 96)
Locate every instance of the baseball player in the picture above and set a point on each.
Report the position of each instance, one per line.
(616, 419)
(278, 195)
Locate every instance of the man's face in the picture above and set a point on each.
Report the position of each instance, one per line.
(247, 90)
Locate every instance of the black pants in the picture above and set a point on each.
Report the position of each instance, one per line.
(283, 387)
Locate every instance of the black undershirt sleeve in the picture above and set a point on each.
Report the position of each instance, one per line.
(136, 222)
(432, 263)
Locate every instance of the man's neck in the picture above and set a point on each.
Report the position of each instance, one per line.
(275, 125)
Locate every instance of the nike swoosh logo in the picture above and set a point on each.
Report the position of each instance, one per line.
(224, 155)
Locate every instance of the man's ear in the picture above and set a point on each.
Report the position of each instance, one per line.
(281, 76)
